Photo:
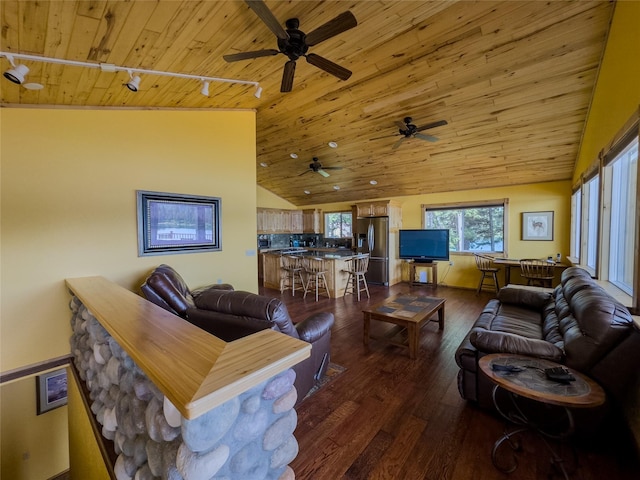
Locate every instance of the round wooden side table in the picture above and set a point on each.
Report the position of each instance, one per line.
(529, 381)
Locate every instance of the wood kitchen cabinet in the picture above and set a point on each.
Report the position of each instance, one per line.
(277, 220)
(382, 208)
(312, 221)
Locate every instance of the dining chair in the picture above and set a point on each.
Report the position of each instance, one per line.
(489, 271)
(315, 269)
(291, 276)
(357, 282)
(537, 272)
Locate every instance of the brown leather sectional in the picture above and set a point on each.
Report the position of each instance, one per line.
(230, 314)
(579, 324)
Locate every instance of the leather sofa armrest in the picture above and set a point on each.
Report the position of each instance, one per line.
(502, 342)
(315, 326)
(217, 286)
(532, 299)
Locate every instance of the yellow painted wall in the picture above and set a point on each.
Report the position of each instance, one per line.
(267, 199)
(69, 181)
(552, 196)
(617, 92)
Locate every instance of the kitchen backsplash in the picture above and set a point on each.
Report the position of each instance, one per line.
(300, 240)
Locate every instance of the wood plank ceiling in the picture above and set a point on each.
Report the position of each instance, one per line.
(513, 79)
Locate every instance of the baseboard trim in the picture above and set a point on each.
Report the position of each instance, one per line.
(61, 476)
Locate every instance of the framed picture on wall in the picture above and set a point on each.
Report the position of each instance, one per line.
(51, 390)
(537, 225)
(176, 223)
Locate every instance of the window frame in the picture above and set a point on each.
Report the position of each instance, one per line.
(502, 202)
(602, 168)
(342, 213)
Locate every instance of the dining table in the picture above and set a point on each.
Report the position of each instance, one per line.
(510, 263)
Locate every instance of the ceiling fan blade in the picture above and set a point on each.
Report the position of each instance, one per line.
(401, 125)
(339, 24)
(428, 138)
(306, 171)
(439, 123)
(332, 168)
(328, 66)
(398, 143)
(234, 57)
(322, 172)
(287, 76)
(263, 12)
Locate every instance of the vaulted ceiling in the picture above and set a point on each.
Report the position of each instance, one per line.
(512, 79)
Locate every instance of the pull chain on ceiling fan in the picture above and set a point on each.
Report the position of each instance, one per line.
(294, 43)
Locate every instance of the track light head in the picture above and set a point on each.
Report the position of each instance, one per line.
(205, 88)
(258, 93)
(134, 83)
(17, 74)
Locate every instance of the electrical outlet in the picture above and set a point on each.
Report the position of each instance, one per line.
(451, 263)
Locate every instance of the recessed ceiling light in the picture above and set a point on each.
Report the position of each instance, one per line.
(336, 187)
(373, 182)
(333, 144)
(264, 164)
(293, 155)
(307, 192)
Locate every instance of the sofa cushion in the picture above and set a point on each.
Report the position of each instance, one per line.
(246, 304)
(166, 289)
(500, 342)
(534, 299)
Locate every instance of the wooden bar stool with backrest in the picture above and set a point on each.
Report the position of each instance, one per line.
(315, 268)
(537, 272)
(291, 274)
(489, 271)
(357, 282)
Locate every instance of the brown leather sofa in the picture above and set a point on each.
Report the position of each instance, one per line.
(578, 324)
(229, 314)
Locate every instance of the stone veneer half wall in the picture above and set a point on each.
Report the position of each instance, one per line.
(248, 437)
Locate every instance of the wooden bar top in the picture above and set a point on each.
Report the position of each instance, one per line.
(194, 369)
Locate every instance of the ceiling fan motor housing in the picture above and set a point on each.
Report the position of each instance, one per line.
(296, 45)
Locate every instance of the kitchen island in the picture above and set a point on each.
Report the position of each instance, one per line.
(336, 267)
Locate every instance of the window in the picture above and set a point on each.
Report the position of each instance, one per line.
(338, 225)
(478, 227)
(621, 176)
(576, 223)
(591, 199)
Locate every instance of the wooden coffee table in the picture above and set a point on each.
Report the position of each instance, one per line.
(410, 312)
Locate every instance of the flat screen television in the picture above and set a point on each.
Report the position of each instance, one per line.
(424, 245)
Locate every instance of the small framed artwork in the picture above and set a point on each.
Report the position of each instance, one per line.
(537, 225)
(175, 223)
(51, 389)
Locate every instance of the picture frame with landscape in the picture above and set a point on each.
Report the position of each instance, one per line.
(51, 390)
(177, 223)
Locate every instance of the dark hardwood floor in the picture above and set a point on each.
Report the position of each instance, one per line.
(390, 417)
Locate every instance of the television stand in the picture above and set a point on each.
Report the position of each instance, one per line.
(413, 265)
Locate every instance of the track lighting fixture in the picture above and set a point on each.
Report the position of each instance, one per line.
(205, 88)
(134, 82)
(17, 73)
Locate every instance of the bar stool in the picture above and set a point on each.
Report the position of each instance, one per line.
(291, 271)
(489, 271)
(357, 269)
(315, 269)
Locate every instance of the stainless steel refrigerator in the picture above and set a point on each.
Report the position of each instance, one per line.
(373, 238)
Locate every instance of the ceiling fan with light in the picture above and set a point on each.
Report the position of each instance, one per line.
(317, 167)
(409, 130)
(294, 43)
